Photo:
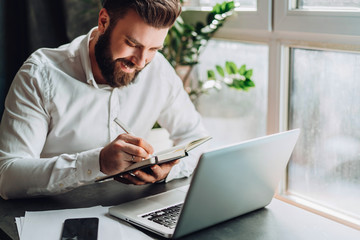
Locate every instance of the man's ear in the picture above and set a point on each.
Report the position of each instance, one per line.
(103, 21)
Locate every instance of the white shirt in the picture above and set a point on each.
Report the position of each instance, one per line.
(57, 119)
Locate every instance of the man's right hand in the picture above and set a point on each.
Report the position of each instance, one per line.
(122, 152)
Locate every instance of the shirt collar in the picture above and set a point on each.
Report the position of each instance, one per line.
(85, 58)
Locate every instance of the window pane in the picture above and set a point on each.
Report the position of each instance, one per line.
(249, 4)
(232, 115)
(325, 104)
(334, 4)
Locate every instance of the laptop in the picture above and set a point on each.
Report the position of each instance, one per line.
(227, 182)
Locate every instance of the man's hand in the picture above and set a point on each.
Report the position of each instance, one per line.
(122, 152)
(156, 173)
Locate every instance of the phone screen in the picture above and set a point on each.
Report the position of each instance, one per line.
(80, 229)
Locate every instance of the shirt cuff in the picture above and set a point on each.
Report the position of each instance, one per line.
(88, 165)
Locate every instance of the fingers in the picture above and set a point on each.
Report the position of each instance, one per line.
(122, 180)
(132, 158)
(172, 163)
(136, 178)
(130, 150)
(122, 152)
(157, 172)
(161, 171)
(151, 175)
(129, 179)
(136, 145)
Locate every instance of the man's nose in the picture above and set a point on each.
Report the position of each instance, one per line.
(139, 58)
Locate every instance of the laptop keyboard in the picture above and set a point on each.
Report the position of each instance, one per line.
(167, 216)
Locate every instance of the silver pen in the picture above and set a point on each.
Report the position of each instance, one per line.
(127, 130)
(123, 126)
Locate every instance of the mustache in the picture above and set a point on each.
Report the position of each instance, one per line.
(127, 63)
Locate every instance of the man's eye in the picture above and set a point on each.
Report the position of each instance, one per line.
(130, 43)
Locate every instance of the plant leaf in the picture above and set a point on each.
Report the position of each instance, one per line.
(230, 67)
(249, 83)
(217, 8)
(220, 70)
(211, 75)
(230, 5)
(238, 84)
(242, 70)
(248, 74)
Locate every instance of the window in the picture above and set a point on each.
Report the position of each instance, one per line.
(328, 5)
(318, 73)
(239, 114)
(307, 55)
(291, 16)
(324, 103)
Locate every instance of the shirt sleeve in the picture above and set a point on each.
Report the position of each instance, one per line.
(23, 133)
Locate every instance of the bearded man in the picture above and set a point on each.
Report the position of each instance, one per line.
(57, 131)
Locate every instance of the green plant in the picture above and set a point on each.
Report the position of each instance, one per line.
(184, 42)
(231, 75)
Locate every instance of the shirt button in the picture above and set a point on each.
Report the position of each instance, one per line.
(61, 185)
(89, 172)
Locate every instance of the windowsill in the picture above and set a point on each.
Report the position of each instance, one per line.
(320, 210)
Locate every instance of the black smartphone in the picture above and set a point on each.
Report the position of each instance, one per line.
(80, 229)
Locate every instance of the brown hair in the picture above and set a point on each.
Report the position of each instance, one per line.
(156, 13)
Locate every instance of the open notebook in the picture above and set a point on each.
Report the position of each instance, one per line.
(164, 156)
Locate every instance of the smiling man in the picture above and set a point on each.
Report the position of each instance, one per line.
(57, 131)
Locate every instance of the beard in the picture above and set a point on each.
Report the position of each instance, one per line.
(111, 69)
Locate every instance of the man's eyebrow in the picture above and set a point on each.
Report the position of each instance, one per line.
(136, 42)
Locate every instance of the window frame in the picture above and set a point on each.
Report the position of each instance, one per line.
(288, 19)
(282, 193)
(275, 24)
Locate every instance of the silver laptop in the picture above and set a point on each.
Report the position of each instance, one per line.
(226, 183)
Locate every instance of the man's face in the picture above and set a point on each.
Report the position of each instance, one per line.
(126, 48)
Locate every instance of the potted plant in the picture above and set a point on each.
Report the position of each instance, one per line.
(184, 44)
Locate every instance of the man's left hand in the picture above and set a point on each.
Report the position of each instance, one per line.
(139, 177)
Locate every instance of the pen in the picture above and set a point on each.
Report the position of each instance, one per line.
(123, 126)
(126, 129)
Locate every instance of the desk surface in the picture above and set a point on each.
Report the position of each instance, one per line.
(277, 221)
